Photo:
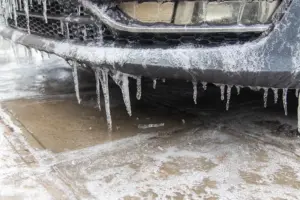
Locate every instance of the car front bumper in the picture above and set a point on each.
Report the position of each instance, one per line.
(271, 61)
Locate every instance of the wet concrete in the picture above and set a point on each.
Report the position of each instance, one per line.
(53, 148)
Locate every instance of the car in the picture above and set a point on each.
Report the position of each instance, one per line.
(240, 43)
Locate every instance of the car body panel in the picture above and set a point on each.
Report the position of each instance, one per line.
(271, 61)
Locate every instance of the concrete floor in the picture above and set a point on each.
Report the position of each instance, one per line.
(53, 148)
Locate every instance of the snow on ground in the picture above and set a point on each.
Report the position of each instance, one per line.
(216, 161)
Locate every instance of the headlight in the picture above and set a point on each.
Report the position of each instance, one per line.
(202, 12)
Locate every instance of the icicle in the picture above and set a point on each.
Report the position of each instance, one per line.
(68, 31)
(17, 4)
(30, 2)
(20, 5)
(45, 11)
(84, 33)
(228, 96)
(78, 10)
(15, 12)
(275, 91)
(29, 53)
(154, 83)
(297, 92)
(122, 81)
(138, 88)
(163, 80)
(97, 76)
(238, 89)
(222, 88)
(195, 91)
(62, 26)
(265, 96)
(105, 89)
(284, 100)
(204, 85)
(26, 9)
(298, 115)
(76, 82)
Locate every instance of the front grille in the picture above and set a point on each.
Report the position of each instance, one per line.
(95, 32)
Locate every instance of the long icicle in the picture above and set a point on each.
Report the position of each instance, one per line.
(76, 82)
(97, 76)
(105, 89)
(298, 115)
(20, 4)
(275, 91)
(228, 96)
(195, 91)
(138, 88)
(15, 12)
(284, 100)
(122, 81)
(45, 11)
(26, 9)
(265, 96)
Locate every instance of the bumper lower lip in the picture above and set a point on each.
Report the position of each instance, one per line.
(273, 61)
